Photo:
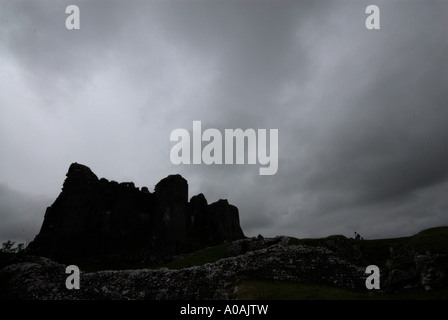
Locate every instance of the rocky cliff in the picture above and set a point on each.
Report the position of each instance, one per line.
(94, 218)
(95, 221)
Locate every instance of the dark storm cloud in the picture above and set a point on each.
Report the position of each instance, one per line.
(365, 120)
(361, 114)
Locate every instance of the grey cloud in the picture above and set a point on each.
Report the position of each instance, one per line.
(20, 214)
(361, 114)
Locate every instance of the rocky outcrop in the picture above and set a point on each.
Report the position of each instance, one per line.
(411, 269)
(213, 223)
(335, 261)
(41, 278)
(93, 218)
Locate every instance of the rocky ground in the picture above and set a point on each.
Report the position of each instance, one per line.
(337, 261)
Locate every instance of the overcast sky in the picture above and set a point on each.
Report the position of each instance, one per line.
(362, 115)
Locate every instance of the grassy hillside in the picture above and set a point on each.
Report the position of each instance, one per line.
(199, 258)
(434, 240)
(256, 289)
